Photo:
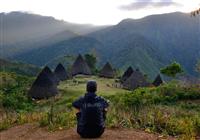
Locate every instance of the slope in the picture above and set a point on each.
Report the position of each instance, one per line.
(20, 31)
(46, 54)
(173, 35)
(19, 68)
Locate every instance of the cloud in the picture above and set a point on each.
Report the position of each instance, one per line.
(140, 4)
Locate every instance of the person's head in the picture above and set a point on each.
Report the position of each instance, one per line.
(91, 86)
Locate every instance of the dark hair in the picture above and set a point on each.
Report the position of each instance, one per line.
(91, 86)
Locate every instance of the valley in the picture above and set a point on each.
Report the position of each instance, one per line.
(148, 43)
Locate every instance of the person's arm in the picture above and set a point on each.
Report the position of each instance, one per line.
(77, 104)
(105, 104)
(105, 107)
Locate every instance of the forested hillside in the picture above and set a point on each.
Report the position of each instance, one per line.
(19, 68)
(147, 43)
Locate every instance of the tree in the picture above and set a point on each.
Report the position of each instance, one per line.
(172, 70)
(91, 61)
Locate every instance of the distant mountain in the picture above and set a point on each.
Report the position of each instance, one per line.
(76, 45)
(148, 44)
(19, 68)
(21, 32)
(19, 24)
(173, 36)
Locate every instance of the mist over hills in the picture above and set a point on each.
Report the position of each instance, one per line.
(74, 46)
(173, 36)
(22, 32)
(148, 43)
(20, 26)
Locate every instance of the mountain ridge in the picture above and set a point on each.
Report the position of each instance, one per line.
(148, 43)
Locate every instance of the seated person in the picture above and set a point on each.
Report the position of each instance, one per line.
(91, 113)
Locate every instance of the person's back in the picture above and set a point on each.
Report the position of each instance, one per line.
(91, 115)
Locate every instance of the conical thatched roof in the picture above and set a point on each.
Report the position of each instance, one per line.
(158, 80)
(127, 74)
(50, 74)
(80, 67)
(107, 71)
(61, 72)
(43, 87)
(136, 80)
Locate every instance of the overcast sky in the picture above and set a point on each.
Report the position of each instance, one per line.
(98, 12)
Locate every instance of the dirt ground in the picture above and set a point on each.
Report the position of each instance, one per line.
(33, 132)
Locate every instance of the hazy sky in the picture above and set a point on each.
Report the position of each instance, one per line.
(99, 12)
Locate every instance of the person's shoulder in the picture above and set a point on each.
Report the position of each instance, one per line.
(77, 103)
(81, 98)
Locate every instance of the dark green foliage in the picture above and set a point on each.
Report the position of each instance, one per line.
(91, 61)
(17, 101)
(172, 70)
(166, 95)
(168, 109)
(14, 95)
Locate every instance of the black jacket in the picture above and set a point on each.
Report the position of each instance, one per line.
(91, 100)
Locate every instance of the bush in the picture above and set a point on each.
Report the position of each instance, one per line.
(14, 96)
(17, 102)
(162, 109)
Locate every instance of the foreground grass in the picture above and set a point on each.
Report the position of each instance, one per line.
(170, 109)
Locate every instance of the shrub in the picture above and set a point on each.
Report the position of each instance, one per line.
(17, 102)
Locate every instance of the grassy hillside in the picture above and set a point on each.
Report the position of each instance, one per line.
(170, 109)
(19, 68)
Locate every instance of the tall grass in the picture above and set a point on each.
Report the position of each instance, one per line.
(164, 110)
(169, 109)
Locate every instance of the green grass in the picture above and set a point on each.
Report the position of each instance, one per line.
(169, 109)
(104, 86)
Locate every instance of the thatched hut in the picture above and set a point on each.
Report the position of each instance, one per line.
(158, 80)
(127, 74)
(107, 71)
(136, 80)
(43, 87)
(51, 75)
(80, 67)
(60, 72)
